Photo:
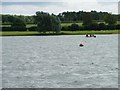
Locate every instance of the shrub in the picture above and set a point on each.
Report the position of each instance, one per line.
(81, 28)
(86, 27)
(6, 29)
(74, 27)
(18, 28)
(17, 22)
(118, 26)
(111, 27)
(102, 26)
(33, 28)
(110, 19)
(65, 28)
(93, 26)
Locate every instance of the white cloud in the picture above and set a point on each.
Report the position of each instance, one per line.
(57, 0)
(31, 9)
(73, 5)
(48, 0)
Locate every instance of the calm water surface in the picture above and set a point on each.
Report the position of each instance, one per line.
(59, 62)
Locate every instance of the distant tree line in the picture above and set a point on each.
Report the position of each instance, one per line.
(64, 17)
(52, 23)
(110, 23)
(45, 23)
(8, 19)
(79, 16)
(92, 26)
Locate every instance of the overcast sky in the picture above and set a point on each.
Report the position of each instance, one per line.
(29, 7)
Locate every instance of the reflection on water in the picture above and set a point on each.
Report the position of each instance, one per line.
(59, 62)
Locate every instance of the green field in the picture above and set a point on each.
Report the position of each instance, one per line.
(28, 25)
(30, 33)
(68, 24)
(31, 25)
(62, 33)
(62, 24)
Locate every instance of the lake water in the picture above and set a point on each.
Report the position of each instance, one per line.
(59, 62)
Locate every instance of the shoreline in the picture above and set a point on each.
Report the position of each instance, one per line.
(17, 33)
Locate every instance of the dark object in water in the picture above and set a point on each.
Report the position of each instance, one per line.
(91, 35)
(94, 36)
(92, 63)
(81, 45)
(87, 35)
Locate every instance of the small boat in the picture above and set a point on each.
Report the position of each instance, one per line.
(91, 35)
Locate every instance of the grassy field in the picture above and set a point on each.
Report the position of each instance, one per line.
(30, 25)
(62, 33)
(62, 24)
(68, 24)
(25, 33)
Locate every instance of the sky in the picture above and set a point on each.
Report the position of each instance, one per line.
(29, 7)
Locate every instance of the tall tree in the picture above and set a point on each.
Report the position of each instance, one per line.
(18, 22)
(110, 19)
(47, 22)
(87, 18)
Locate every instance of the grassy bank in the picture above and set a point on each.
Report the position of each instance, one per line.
(91, 32)
(62, 33)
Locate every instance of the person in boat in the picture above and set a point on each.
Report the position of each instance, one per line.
(90, 35)
(87, 35)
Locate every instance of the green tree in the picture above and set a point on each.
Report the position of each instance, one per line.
(56, 26)
(118, 26)
(74, 27)
(87, 18)
(46, 22)
(102, 26)
(110, 19)
(18, 22)
(93, 26)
